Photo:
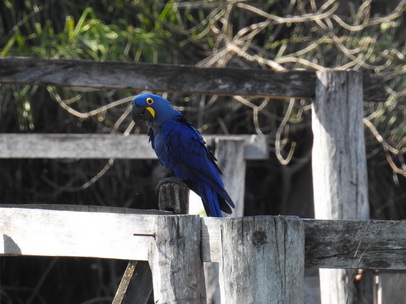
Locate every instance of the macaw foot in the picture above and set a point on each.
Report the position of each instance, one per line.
(168, 180)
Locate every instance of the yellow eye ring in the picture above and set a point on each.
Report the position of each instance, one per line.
(149, 101)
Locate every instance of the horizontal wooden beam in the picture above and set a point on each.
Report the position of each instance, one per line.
(170, 78)
(93, 146)
(366, 244)
(109, 233)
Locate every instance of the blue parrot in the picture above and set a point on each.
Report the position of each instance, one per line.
(182, 151)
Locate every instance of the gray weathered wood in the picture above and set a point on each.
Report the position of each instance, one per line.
(339, 167)
(355, 244)
(339, 160)
(108, 234)
(391, 287)
(75, 234)
(175, 260)
(87, 208)
(169, 78)
(90, 146)
(211, 278)
(124, 283)
(230, 156)
(85, 146)
(262, 260)
(136, 285)
(211, 239)
(173, 196)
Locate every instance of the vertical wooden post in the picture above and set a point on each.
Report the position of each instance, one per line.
(390, 288)
(230, 156)
(339, 167)
(262, 260)
(173, 196)
(175, 260)
(136, 285)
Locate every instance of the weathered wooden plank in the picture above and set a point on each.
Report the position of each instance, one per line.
(168, 78)
(135, 285)
(368, 244)
(339, 169)
(75, 234)
(85, 146)
(175, 260)
(87, 208)
(262, 260)
(91, 146)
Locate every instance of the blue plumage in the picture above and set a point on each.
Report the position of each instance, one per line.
(182, 150)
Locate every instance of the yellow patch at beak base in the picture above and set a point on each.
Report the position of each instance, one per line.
(151, 111)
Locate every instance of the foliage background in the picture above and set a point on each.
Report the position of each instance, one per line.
(273, 34)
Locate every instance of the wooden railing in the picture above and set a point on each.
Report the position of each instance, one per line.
(251, 250)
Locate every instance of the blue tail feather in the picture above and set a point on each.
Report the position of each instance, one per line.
(210, 200)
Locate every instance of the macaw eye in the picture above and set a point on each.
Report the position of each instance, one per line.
(149, 101)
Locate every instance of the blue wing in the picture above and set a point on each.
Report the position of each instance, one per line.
(182, 150)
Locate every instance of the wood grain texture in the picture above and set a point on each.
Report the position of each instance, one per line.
(173, 196)
(91, 146)
(75, 234)
(85, 146)
(136, 285)
(262, 260)
(339, 168)
(391, 287)
(168, 78)
(175, 260)
(352, 244)
(338, 156)
(230, 156)
(230, 159)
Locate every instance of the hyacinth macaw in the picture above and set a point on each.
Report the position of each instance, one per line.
(182, 151)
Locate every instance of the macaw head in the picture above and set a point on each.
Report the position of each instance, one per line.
(152, 108)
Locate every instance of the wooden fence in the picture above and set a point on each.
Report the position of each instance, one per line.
(262, 258)
(122, 233)
(255, 253)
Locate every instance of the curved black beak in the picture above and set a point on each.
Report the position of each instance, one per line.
(140, 113)
(137, 113)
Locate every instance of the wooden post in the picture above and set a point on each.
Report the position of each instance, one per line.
(262, 260)
(391, 286)
(175, 260)
(230, 156)
(339, 168)
(136, 285)
(175, 257)
(173, 196)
